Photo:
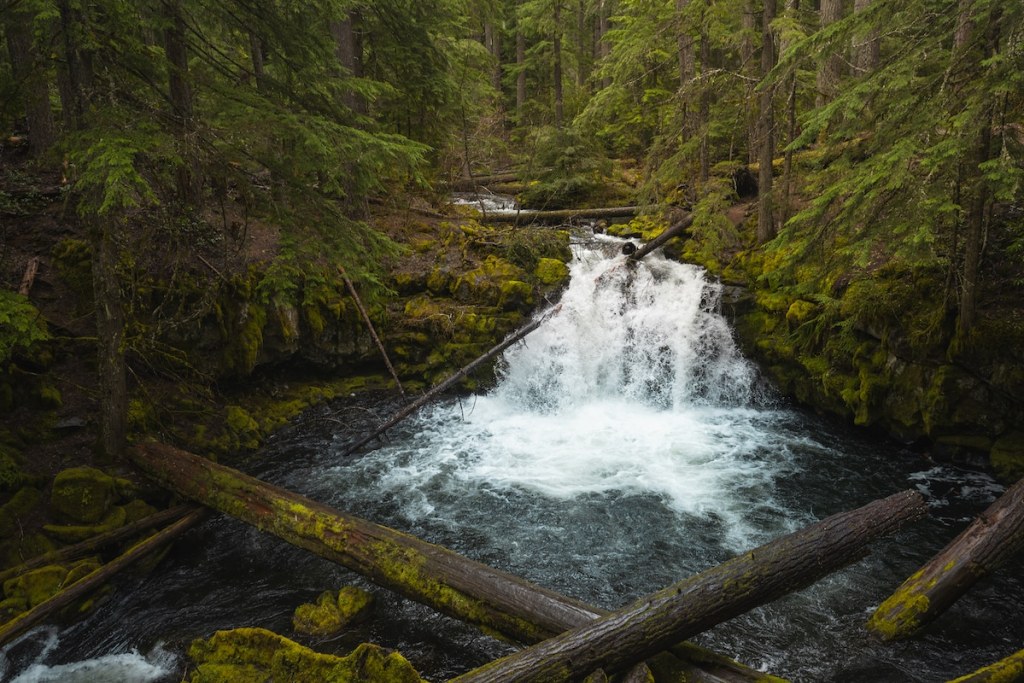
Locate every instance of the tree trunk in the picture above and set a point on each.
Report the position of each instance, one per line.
(831, 65)
(867, 50)
(750, 69)
(995, 536)
(24, 622)
(1009, 670)
(30, 79)
(256, 57)
(75, 78)
(560, 216)
(557, 50)
(110, 320)
(349, 54)
(685, 46)
(421, 571)
(630, 635)
(188, 174)
(369, 326)
(520, 71)
(792, 7)
(604, 48)
(704, 116)
(765, 211)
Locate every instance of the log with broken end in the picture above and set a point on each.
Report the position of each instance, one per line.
(497, 601)
(649, 625)
(996, 535)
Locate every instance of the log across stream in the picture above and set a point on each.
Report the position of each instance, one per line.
(627, 447)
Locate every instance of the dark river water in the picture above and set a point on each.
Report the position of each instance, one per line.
(626, 446)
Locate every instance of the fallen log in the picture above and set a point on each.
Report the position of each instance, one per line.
(674, 230)
(92, 545)
(369, 325)
(25, 621)
(995, 536)
(497, 601)
(470, 184)
(649, 625)
(1009, 670)
(438, 389)
(560, 216)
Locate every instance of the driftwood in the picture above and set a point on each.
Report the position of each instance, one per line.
(618, 640)
(430, 574)
(29, 277)
(445, 385)
(25, 621)
(370, 327)
(92, 545)
(1009, 670)
(996, 535)
(677, 228)
(560, 216)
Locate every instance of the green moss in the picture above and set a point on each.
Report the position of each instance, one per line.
(901, 613)
(800, 311)
(83, 494)
(1007, 457)
(332, 612)
(36, 585)
(254, 655)
(15, 512)
(1009, 670)
(515, 296)
(115, 519)
(551, 272)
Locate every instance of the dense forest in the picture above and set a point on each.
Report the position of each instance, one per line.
(191, 193)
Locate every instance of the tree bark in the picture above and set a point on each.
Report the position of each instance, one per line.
(110, 321)
(672, 231)
(831, 65)
(445, 385)
(424, 572)
(30, 78)
(348, 52)
(520, 71)
(867, 50)
(630, 635)
(1009, 670)
(188, 173)
(995, 536)
(24, 622)
(557, 76)
(560, 216)
(765, 210)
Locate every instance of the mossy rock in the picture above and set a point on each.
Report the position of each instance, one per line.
(19, 549)
(83, 494)
(515, 296)
(137, 509)
(800, 311)
(551, 272)
(333, 612)
(11, 473)
(1007, 457)
(75, 533)
(15, 512)
(255, 655)
(36, 585)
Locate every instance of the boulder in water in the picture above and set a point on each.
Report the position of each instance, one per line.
(333, 612)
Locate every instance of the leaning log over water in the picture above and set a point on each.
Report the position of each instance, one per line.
(561, 215)
(447, 384)
(427, 573)
(79, 589)
(673, 230)
(995, 536)
(1009, 670)
(654, 622)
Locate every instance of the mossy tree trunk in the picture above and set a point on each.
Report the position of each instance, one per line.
(111, 366)
(29, 78)
(630, 635)
(766, 141)
(995, 536)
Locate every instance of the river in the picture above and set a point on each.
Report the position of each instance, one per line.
(626, 445)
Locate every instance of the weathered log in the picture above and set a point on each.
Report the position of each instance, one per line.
(497, 601)
(560, 216)
(438, 389)
(656, 621)
(25, 621)
(369, 325)
(995, 536)
(674, 230)
(1009, 670)
(92, 545)
(470, 184)
(29, 277)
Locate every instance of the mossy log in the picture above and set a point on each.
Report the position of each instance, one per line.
(677, 228)
(649, 625)
(25, 621)
(560, 216)
(1009, 670)
(447, 384)
(497, 601)
(996, 535)
(98, 542)
(470, 184)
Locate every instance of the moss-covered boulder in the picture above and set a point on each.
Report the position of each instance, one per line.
(551, 272)
(37, 585)
(1007, 457)
(75, 533)
(15, 512)
(255, 655)
(84, 494)
(333, 612)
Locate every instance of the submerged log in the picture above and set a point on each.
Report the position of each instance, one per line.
(674, 230)
(92, 545)
(560, 216)
(995, 536)
(24, 622)
(1009, 670)
(430, 574)
(447, 384)
(622, 638)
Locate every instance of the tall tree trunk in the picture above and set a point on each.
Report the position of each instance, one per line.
(685, 46)
(75, 80)
(188, 173)
(494, 47)
(831, 66)
(581, 45)
(557, 56)
(31, 81)
(792, 6)
(750, 69)
(765, 211)
(520, 71)
(348, 52)
(604, 48)
(110, 324)
(867, 50)
(704, 115)
(256, 57)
